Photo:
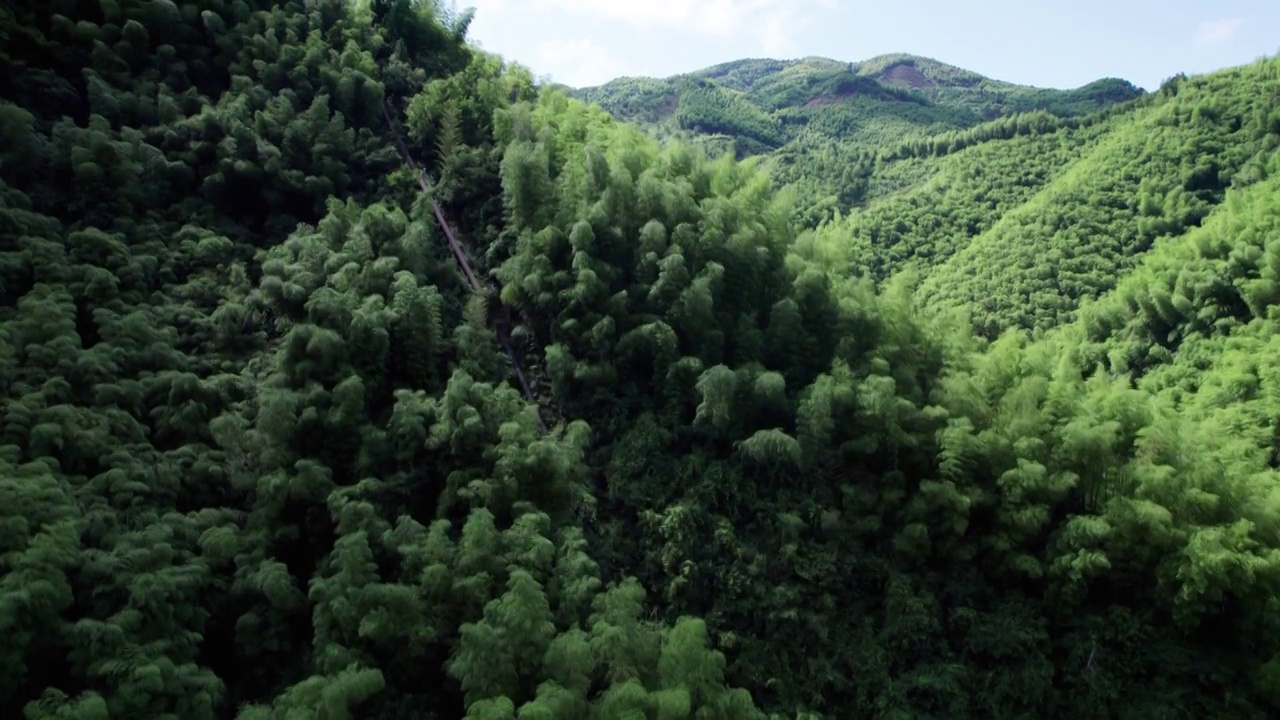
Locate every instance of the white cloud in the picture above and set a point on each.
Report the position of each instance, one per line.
(773, 23)
(776, 33)
(1216, 32)
(578, 63)
(587, 42)
(711, 16)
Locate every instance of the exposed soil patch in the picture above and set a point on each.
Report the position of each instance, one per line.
(906, 74)
(668, 107)
(823, 100)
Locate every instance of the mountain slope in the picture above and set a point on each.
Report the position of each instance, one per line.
(871, 102)
(1020, 230)
(839, 114)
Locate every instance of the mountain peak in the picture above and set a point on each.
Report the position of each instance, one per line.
(761, 104)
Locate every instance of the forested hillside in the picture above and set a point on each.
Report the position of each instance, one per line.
(1019, 220)
(349, 374)
(869, 103)
(825, 122)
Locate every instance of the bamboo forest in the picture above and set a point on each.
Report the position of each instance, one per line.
(351, 371)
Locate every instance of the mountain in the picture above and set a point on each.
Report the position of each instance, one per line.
(761, 104)
(346, 372)
(981, 215)
(802, 106)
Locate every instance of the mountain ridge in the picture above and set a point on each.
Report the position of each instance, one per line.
(774, 85)
(876, 65)
(771, 107)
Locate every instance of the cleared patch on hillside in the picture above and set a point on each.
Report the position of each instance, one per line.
(906, 74)
(827, 99)
(668, 107)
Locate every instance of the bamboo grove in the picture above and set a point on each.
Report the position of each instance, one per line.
(267, 451)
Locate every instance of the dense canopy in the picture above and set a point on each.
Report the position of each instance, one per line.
(349, 373)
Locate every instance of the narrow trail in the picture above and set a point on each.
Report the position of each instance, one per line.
(542, 401)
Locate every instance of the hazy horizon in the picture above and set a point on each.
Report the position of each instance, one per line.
(589, 42)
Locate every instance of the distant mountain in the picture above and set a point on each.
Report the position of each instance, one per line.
(760, 105)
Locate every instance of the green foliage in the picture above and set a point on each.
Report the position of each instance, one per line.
(823, 122)
(1156, 174)
(265, 453)
(709, 109)
(1021, 220)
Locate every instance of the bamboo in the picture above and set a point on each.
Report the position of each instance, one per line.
(464, 263)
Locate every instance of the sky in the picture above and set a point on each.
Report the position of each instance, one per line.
(1045, 43)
